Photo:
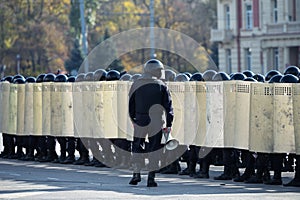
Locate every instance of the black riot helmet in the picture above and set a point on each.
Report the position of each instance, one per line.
(135, 77)
(221, 76)
(17, 77)
(292, 70)
(154, 67)
(250, 79)
(197, 77)
(289, 78)
(9, 78)
(100, 75)
(238, 76)
(270, 74)
(169, 75)
(49, 77)
(80, 77)
(19, 81)
(259, 77)
(181, 77)
(40, 78)
(188, 74)
(71, 79)
(113, 75)
(61, 78)
(209, 74)
(276, 78)
(125, 77)
(248, 73)
(89, 76)
(30, 79)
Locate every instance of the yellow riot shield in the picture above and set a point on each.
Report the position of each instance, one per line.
(242, 115)
(261, 118)
(56, 111)
(38, 109)
(46, 107)
(191, 118)
(28, 110)
(110, 106)
(129, 127)
(123, 109)
(1, 114)
(284, 137)
(20, 109)
(177, 94)
(67, 110)
(215, 115)
(201, 113)
(88, 110)
(229, 112)
(5, 93)
(99, 110)
(296, 115)
(13, 109)
(77, 109)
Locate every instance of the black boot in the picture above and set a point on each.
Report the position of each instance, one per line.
(151, 182)
(136, 178)
(192, 168)
(205, 170)
(276, 180)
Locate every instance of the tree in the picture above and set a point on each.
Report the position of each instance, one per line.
(73, 64)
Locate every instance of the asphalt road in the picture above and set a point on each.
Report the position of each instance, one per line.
(34, 180)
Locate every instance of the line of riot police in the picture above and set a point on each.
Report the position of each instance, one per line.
(257, 165)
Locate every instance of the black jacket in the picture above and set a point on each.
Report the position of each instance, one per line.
(145, 93)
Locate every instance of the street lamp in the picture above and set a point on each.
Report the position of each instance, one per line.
(18, 57)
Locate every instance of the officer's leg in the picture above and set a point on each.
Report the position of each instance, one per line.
(19, 144)
(71, 151)
(295, 182)
(51, 153)
(31, 147)
(42, 146)
(276, 162)
(186, 158)
(107, 154)
(230, 165)
(155, 151)
(262, 172)
(94, 146)
(83, 151)
(206, 161)
(250, 168)
(63, 149)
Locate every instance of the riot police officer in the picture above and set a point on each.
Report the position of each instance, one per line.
(146, 92)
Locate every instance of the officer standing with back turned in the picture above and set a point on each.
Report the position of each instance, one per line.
(149, 98)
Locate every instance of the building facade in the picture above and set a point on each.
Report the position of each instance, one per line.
(257, 35)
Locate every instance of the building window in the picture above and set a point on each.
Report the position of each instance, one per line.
(228, 61)
(276, 58)
(248, 58)
(275, 11)
(227, 17)
(249, 17)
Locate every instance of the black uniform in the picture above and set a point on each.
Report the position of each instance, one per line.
(148, 99)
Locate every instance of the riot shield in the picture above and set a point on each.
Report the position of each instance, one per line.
(110, 102)
(56, 109)
(99, 110)
(77, 109)
(191, 118)
(214, 115)
(229, 112)
(28, 111)
(5, 93)
(201, 113)
(177, 95)
(13, 109)
(284, 137)
(88, 111)
(242, 115)
(296, 115)
(37, 109)
(123, 110)
(46, 108)
(261, 118)
(67, 110)
(20, 109)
